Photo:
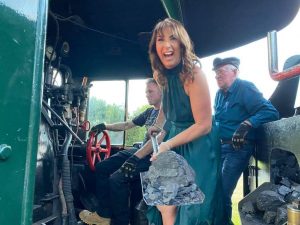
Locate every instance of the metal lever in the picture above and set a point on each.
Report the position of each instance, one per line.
(154, 142)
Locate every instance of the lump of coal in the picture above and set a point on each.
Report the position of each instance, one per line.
(248, 207)
(269, 217)
(281, 215)
(269, 200)
(170, 181)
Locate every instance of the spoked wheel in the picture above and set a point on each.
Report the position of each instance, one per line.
(94, 152)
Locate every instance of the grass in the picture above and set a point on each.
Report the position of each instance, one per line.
(236, 197)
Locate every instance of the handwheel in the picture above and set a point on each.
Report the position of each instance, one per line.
(94, 151)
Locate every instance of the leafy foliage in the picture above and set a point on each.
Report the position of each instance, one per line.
(102, 112)
(136, 134)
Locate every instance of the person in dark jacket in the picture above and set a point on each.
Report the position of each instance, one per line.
(114, 182)
(239, 109)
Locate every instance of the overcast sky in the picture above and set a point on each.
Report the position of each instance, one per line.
(254, 59)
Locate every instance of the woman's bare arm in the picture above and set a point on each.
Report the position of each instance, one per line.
(198, 92)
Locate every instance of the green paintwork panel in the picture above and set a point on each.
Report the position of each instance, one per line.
(22, 28)
(173, 9)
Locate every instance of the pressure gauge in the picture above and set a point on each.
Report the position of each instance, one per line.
(65, 49)
(50, 53)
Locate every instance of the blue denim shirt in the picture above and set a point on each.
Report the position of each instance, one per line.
(241, 102)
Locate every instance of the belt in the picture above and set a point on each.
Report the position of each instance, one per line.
(229, 142)
(226, 142)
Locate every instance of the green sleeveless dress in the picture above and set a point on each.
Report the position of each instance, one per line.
(203, 155)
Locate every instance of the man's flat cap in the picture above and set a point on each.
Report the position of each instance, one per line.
(218, 62)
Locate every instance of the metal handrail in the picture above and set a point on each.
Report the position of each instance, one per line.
(273, 61)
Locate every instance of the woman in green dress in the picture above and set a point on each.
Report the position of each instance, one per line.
(187, 107)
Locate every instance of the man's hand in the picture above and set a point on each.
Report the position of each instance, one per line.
(238, 138)
(154, 129)
(129, 166)
(98, 128)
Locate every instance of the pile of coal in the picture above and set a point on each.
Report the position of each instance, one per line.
(170, 181)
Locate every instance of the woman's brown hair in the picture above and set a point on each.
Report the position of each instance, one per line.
(188, 57)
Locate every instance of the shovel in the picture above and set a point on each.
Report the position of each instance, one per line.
(170, 180)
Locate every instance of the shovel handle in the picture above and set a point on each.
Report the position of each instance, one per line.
(154, 142)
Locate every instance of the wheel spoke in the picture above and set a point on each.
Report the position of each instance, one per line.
(94, 149)
(94, 158)
(101, 140)
(98, 157)
(103, 150)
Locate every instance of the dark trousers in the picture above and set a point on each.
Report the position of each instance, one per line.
(234, 162)
(115, 192)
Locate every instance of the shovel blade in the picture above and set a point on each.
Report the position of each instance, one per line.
(170, 181)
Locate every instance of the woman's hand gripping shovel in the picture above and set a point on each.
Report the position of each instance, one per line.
(170, 180)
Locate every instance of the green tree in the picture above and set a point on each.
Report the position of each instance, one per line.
(97, 108)
(136, 134)
(101, 112)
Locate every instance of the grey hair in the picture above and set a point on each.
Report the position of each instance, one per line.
(230, 67)
(151, 81)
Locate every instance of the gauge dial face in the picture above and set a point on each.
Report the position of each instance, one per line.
(65, 48)
(50, 51)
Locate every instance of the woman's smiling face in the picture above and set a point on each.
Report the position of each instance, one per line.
(168, 48)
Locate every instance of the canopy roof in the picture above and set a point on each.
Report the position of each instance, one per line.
(109, 38)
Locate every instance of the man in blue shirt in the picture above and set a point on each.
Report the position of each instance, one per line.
(239, 109)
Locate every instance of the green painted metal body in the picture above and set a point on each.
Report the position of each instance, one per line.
(173, 9)
(23, 27)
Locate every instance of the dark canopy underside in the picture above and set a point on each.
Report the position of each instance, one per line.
(108, 38)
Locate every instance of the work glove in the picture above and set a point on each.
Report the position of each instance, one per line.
(238, 138)
(98, 128)
(129, 166)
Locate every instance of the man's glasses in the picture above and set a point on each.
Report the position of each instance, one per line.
(221, 71)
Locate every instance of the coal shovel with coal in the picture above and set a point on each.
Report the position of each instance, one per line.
(170, 180)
